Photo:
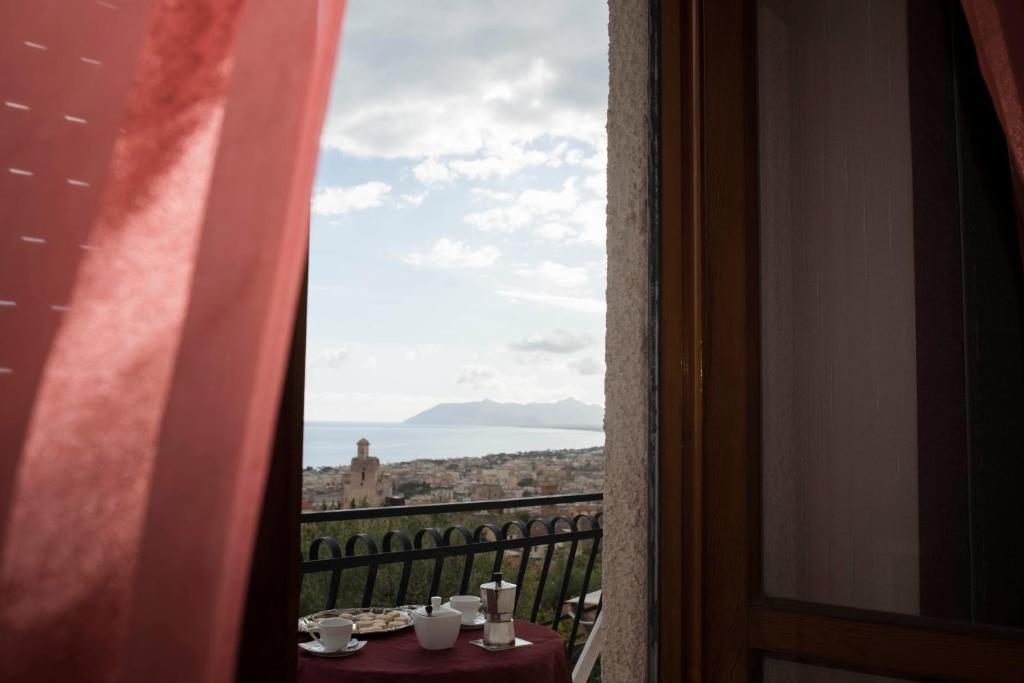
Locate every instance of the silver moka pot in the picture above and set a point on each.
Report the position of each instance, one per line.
(499, 598)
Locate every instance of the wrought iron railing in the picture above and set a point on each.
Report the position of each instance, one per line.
(549, 533)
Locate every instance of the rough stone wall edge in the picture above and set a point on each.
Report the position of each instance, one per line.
(625, 576)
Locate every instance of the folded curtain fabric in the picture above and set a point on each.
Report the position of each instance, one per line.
(157, 158)
(997, 27)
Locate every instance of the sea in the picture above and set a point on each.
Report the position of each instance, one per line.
(334, 443)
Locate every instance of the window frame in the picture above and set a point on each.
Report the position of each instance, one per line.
(714, 622)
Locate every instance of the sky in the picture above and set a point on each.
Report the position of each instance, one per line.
(457, 246)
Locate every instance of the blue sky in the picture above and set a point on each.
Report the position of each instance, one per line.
(457, 246)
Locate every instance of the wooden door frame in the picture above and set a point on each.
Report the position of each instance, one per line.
(714, 623)
(707, 338)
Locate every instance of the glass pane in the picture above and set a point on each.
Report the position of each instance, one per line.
(840, 428)
(892, 338)
(783, 671)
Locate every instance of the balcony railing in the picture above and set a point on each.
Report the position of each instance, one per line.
(540, 543)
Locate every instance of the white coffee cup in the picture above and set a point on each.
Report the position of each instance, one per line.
(333, 633)
(469, 605)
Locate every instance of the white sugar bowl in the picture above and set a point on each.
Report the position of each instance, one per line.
(437, 629)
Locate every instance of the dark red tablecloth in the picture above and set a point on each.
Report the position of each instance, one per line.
(399, 658)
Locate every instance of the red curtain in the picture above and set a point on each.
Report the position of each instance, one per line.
(156, 159)
(997, 27)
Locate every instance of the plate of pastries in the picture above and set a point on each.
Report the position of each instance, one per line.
(368, 620)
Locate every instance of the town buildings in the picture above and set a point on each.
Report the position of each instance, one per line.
(501, 475)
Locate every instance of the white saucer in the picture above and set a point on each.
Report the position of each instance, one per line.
(314, 647)
(476, 623)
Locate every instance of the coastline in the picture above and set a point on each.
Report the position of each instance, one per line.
(586, 428)
(334, 443)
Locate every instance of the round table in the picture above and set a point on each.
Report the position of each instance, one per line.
(399, 657)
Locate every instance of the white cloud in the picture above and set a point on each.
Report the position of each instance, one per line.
(571, 303)
(359, 406)
(503, 159)
(556, 341)
(528, 207)
(498, 108)
(518, 385)
(547, 202)
(420, 351)
(558, 214)
(333, 358)
(597, 183)
(493, 195)
(370, 362)
(575, 156)
(508, 96)
(555, 274)
(498, 166)
(587, 366)
(590, 217)
(333, 200)
(599, 160)
(431, 172)
(482, 92)
(499, 219)
(476, 376)
(534, 82)
(447, 253)
(556, 231)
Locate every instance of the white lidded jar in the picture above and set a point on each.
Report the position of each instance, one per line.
(437, 627)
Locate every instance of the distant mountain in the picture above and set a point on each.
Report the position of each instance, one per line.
(567, 414)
